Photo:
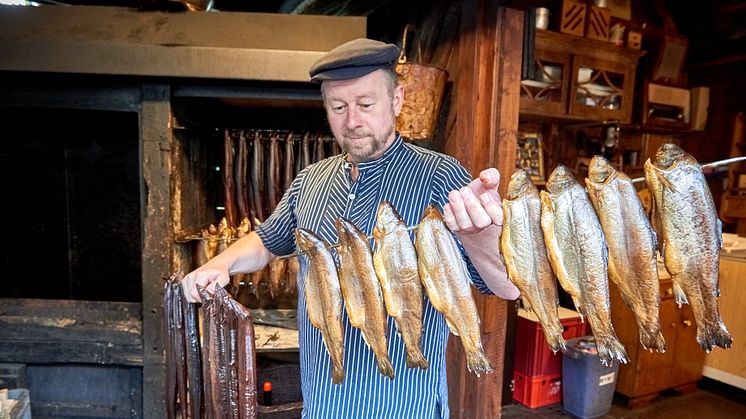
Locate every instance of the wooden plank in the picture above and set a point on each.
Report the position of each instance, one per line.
(158, 247)
(127, 41)
(78, 309)
(489, 62)
(50, 351)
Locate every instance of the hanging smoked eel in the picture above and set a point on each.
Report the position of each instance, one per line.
(319, 144)
(209, 355)
(306, 153)
(257, 178)
(247, 384)
(193, 353)
(289, 173)
(274, 178)
(168, 324)
(226, 362)
(242, 161)
(179, 342)
(243, 229)
(220, 386)
(335, 147)
(228, 185)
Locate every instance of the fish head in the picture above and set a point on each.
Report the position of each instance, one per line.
(432, 213)
(560, 180)
(600, 169)
(307, 240)
(670, 154)
(346, 229)
(520, 184)
(387, 218)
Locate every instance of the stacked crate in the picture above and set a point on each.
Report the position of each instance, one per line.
(537, 375)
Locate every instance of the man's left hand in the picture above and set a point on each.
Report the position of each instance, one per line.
(476, 206)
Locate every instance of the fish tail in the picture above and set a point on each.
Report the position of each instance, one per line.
(653, 340)
(556, 342)
(610, 349)
(708, 338)
(478, 363)
(415, 359)
(385, 367)
(338, 374)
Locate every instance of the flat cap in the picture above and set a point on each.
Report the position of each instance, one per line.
(354, 59)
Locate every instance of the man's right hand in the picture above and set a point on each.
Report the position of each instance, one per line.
(206, 276)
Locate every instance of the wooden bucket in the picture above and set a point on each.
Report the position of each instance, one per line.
(424, 89)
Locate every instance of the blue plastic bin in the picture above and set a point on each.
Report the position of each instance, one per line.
(587, 385)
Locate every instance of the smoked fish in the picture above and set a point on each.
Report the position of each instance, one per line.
(445, 277)
(362, 292)
(579, 257)
(685, 217)
(632, 244)
(395, 262)
(324, 297)
(522, 246)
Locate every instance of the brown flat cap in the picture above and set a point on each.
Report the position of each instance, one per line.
(354, 59)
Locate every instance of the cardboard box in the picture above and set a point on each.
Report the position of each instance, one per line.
(598, 23)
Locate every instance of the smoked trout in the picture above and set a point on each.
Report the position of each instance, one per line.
(445, 277)
(522, 245)
(632, 244)
(685, 217)
(324, 297)
(579, 257)
(395, 261)
(362, 292)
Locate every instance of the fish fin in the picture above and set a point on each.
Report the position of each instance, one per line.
(417, 360)
(652, 340)
(338, 375)
(610, 349)
(478, 363)
(708, 338)
(556, 342)
(721, 336)
(385, 367)
(664, 181)
(679, 294)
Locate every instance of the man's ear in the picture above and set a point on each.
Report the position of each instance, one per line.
(398, 99)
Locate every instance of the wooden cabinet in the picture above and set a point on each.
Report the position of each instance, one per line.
(579, 79)
(649, 373)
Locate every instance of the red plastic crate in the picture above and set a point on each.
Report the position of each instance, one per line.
(533, 357)
(537, 391)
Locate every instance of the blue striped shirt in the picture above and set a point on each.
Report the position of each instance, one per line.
(410, 177)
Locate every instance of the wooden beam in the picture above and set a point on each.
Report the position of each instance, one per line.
(486, 102)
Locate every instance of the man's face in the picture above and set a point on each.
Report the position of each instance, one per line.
(362, 114)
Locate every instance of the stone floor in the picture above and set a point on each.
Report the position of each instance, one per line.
(711, 400)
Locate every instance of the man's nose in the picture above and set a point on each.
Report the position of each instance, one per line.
(353, 118)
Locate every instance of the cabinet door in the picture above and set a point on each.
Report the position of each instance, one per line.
(546, 93)
(601, 89)
(689, 358)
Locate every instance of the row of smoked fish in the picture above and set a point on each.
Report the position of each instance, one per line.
(258, 166)
(212, 373)
(585, 236)
(390, 279)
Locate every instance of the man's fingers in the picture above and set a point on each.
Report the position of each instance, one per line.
(475, 211)
(490, 178)
(493, 207)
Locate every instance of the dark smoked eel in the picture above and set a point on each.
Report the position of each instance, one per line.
(246, 371)
(228, 184)
(179, 342)
(242, 161)
(209, 368)
(168, 324)
(306, 156)
(257, 178)
(274, 173)
(193, 356)
(228, 320)
(289, 174)
(319, 152)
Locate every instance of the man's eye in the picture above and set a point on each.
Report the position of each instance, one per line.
(338, 109)
(366, 105)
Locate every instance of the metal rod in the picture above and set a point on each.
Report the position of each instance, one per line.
(706, 165)
(334, 246)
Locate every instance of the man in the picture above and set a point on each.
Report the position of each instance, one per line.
(362, 99)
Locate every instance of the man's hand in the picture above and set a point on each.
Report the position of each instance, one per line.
(205, 276)
(476, 206)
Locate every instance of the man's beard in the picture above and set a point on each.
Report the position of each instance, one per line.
(372, 148)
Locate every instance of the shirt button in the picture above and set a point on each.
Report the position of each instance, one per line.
(351, 196)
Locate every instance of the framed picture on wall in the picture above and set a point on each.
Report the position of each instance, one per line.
(530, 155)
